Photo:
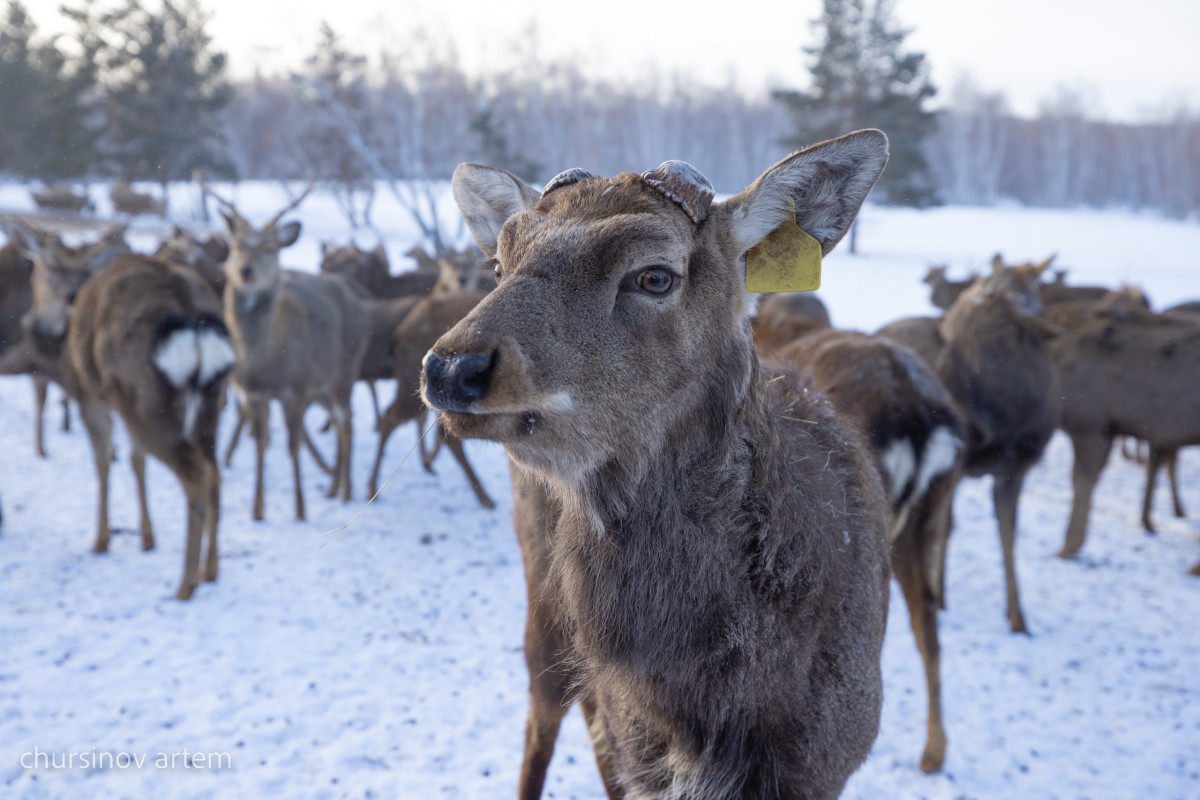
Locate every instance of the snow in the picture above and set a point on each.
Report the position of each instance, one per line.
(385, 660)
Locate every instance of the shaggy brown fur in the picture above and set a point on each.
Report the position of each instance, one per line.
(917, 439)
(718, 560)
(1128, 372)
(998, 368)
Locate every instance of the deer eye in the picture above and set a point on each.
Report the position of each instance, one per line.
(499, 273)
(656, 281)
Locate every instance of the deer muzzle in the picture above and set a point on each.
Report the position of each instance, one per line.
(458, 382)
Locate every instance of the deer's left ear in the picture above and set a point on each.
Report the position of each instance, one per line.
(823, 186)
(286, 235)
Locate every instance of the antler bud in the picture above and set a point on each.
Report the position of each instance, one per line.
(681, 182)
(566, 178)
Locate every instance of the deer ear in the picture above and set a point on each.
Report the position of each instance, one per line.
(823, 186)
(287, 235)
(487, 197)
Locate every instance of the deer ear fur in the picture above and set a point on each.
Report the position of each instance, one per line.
(487, 197)
(823, 186)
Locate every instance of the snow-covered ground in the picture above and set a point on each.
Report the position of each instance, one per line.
(385, 660)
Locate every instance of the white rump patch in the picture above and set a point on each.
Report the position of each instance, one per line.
(941, 451)
(177, 358)
(900, 462)
(215, 352)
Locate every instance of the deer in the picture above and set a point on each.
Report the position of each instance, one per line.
(205, 256)
(60, 196)
(1057, 291)
(429, 319)
(916, 436)
(21, 354)
(718, 557)
(126, 201)
(1125, 371)
(299, 338)
(944, 292)
(146, 340)
(370, 270)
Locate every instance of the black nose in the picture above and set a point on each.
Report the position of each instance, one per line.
(454, 383)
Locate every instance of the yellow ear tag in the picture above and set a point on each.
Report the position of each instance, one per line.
(788, 260)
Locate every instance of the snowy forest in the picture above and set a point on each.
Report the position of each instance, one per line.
(141, 92)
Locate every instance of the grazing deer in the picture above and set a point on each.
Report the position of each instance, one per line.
(126, 201)
(1125, 371)
(718, 557)
(299, 338)
(146, 340)
(998, 368)
(429, 319)
(62, 197)
(944, 292)
(915, 433)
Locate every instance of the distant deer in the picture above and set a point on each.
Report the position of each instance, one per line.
(915, 433)
(997, 366)
(1125, 371)
(60, 196)
(299, 338)
(944, 292)
(144, 339)
(371, 271)
(429, 319)
(718, 557)
(126, 201)
(205, 256)
(1057, 291)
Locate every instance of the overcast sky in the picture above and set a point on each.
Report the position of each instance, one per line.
(1130, 65)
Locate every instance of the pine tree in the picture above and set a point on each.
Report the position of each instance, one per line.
(862, 77)
(164, 88)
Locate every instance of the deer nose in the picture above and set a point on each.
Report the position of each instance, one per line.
(455, 383)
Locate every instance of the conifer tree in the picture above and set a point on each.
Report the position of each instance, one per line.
(862, 77)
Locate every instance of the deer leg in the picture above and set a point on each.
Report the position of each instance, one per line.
(259, 411)
(1091, 454)
(374, 401)
(137, 459)
(1153, 464)
(387, 423)
(197, 498)
(237, 432)
(66, 413)
(345, 434)
(1172, 459)
(293, 415)
(1006, 490)
(99, 427)
(456, 447)
(212, 515)
(439, 438)
(1195, 570)
(922, 611)
(315, 453)
(40, 383)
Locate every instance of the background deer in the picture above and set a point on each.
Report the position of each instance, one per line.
(915, 434)
(718, 559)
(144, 339)
(126, 201)
(943, 292)
(299, 338)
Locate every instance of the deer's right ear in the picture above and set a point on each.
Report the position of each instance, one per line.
(24, 238)
(286, 235)
(230, 223)
(487, 197)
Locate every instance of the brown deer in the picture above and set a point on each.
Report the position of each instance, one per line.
(718, 557)
(126, 201)
(998, 368)
(205, 256)
(1057, 291)
(430, 318)
(944, 292)
(146, 340)
(61, 197)
(914, 431)
(1125, 371)
(370, 270)
(299, 338)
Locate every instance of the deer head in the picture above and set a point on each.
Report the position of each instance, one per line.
(621, 310)
(1019, 283)
(59, 271)
(253, 263)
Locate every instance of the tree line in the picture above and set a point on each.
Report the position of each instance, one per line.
(140, 92)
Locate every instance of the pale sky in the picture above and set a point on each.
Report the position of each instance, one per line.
(1133, 62)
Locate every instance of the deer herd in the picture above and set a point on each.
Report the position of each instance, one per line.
(710, 492)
